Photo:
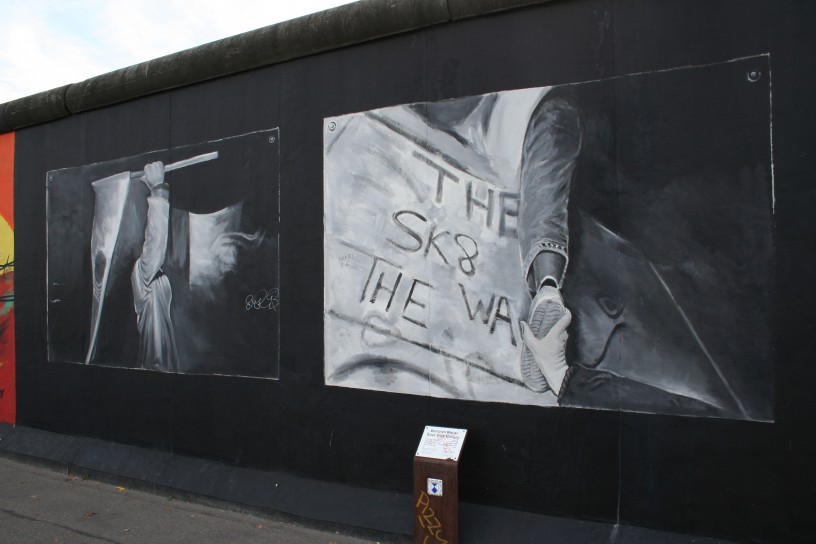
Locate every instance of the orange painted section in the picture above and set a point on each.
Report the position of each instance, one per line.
(8, 393)
(7, 178)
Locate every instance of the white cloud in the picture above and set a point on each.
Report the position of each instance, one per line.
(49, 43)
(35, 55)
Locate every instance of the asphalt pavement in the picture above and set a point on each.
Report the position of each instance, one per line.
(41, 505)
(122, 494)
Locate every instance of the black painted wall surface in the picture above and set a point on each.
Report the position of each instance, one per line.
(733, 478)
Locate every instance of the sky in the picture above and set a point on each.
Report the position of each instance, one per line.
(49, 43)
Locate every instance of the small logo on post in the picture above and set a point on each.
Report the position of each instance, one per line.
(435, 487)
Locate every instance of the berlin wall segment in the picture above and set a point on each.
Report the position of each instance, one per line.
(503, 224)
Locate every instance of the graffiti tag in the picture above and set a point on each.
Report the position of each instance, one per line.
(265, 299)
(429, 521)
(345, 260)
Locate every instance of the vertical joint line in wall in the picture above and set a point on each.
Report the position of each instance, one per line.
(448, 9)
(170, 157)
(279, 251)
(426, 96)
(770, 129)
(613, 535)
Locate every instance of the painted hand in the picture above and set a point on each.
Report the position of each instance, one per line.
(549, 351)
(154, 174)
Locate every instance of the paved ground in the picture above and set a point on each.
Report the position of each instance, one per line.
(42, 506)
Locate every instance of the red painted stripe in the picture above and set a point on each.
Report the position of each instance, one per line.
(8, 398)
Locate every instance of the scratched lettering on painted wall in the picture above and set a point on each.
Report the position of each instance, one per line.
(421, 263)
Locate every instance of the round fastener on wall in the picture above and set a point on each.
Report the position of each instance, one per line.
(753, 76)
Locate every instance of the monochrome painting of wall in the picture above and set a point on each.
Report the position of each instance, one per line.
(604, 245)
(168, 261)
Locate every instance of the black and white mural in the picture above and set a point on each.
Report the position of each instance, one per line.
(168, 261)
(606, 244)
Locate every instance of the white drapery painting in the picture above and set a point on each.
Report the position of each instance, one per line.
(168, 261)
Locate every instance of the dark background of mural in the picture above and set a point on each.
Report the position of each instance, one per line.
(215, 332)
(747, 479)
(677, 165)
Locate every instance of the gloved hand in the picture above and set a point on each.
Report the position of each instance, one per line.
(153, 174)
(550, 351)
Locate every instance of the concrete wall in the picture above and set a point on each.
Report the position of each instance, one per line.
(324, 270)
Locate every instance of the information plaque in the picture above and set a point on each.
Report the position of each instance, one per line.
(436, 485)
(441, 443)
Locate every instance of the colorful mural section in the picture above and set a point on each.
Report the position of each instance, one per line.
(8, 405)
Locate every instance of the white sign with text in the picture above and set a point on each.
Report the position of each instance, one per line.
(441, 443)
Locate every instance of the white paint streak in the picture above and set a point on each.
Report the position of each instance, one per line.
(770, 128)
(700, 343)
(613, 535)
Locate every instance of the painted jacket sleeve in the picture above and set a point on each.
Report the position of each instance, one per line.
(551, 147)
(588, 388)
(155, 245)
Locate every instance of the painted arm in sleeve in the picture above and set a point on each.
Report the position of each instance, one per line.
(151, 260)
(591, 388)
(552, 144)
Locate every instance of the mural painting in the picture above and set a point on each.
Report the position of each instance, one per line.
(8, 401)
(602, 245)
(168, 261)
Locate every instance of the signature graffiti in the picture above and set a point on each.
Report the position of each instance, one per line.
(265, 299)
(429, 521)
(345, 260)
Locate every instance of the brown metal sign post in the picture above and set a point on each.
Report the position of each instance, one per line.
(436, 486)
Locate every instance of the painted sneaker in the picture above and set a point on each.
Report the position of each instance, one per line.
(545, 310)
